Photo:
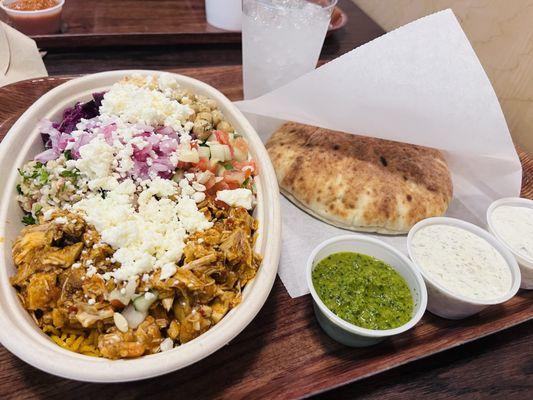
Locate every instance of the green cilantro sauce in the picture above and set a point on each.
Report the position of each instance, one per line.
(363, 290)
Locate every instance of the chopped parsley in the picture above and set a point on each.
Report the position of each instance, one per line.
(70, 173)
(19, 189)
(228, 166)
(28, 220)
(67, 154)
(39, 173)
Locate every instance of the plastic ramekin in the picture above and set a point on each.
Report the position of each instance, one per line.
(343, 331)
(450, 305)
(525, 263)
(38, 22)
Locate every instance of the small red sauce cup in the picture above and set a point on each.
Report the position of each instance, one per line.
(37, 22)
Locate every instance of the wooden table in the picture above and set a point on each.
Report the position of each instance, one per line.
(496, 366)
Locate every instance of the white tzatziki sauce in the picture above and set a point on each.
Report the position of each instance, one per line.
(462, 262)
(515, 226)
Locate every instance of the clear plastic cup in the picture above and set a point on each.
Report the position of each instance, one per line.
(224, 14)
(38, 22)
(281, 40)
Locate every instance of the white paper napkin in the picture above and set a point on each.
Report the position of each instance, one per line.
(19, 57)
(421, 84)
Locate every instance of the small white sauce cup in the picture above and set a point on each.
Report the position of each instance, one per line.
(525, 263)
(450, 305)
(343, 331)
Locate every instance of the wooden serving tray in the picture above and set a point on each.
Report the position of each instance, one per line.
(283, 353)
(141, 22)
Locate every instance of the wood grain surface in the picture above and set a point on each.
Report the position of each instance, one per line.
(283, 353)
(359, 30)
(141, 22)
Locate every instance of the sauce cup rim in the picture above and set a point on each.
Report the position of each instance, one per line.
(509, 201)
(491, 239)
(9, 11)
(352, 328)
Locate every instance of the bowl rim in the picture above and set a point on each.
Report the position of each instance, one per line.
(352, 328)
(35, 349)
(507, 256)
(524, 261)
(48, 10)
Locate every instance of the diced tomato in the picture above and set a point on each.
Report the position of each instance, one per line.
(248, 167)
(183, 165)
(222, 137)
(233, 176)
(210, 182)
(241, 144)
(217, 187)
(205, 165)
(221, 204)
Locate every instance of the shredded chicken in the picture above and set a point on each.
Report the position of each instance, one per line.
(53, 260)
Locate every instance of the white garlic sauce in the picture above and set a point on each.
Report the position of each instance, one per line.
(515, 226)
(462, 262)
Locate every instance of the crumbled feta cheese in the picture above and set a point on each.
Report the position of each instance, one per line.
(47, 215)
(135, 104)
(236, 197)
(198, 197)
(96, 158)
(60, 220)
(198, 187)
(146, 232)
(91, 301)
(167, 271)
(91, 271)
(166, 344)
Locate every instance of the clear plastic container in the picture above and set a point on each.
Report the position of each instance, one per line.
(38, 22)
(225, 14)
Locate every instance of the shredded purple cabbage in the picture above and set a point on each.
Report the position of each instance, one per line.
(73, 115)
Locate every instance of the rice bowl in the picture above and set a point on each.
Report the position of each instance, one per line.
(45, 354)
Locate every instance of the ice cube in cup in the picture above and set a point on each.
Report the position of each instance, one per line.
(281, 40)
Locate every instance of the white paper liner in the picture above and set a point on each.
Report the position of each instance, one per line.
(420, 84)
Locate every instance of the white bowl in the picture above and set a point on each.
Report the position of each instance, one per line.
(343, 331)
(18, 332)
(443, 302)
(526, 264)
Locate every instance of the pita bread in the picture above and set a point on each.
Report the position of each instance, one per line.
(359, 183)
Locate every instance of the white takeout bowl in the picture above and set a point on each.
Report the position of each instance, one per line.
(18, 332)
(525, 263)
(343, 331)
(443, 302)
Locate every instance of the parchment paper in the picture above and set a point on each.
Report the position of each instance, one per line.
(20, 58)
(420, 84)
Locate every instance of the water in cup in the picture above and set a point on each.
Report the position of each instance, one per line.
(281, 41)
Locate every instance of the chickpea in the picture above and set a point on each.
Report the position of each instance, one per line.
(201, 128)
(216, 117)
(186, 100)
(225, 126)
(192, 117)
(203, 108)
(205, 115)
(212, 104)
